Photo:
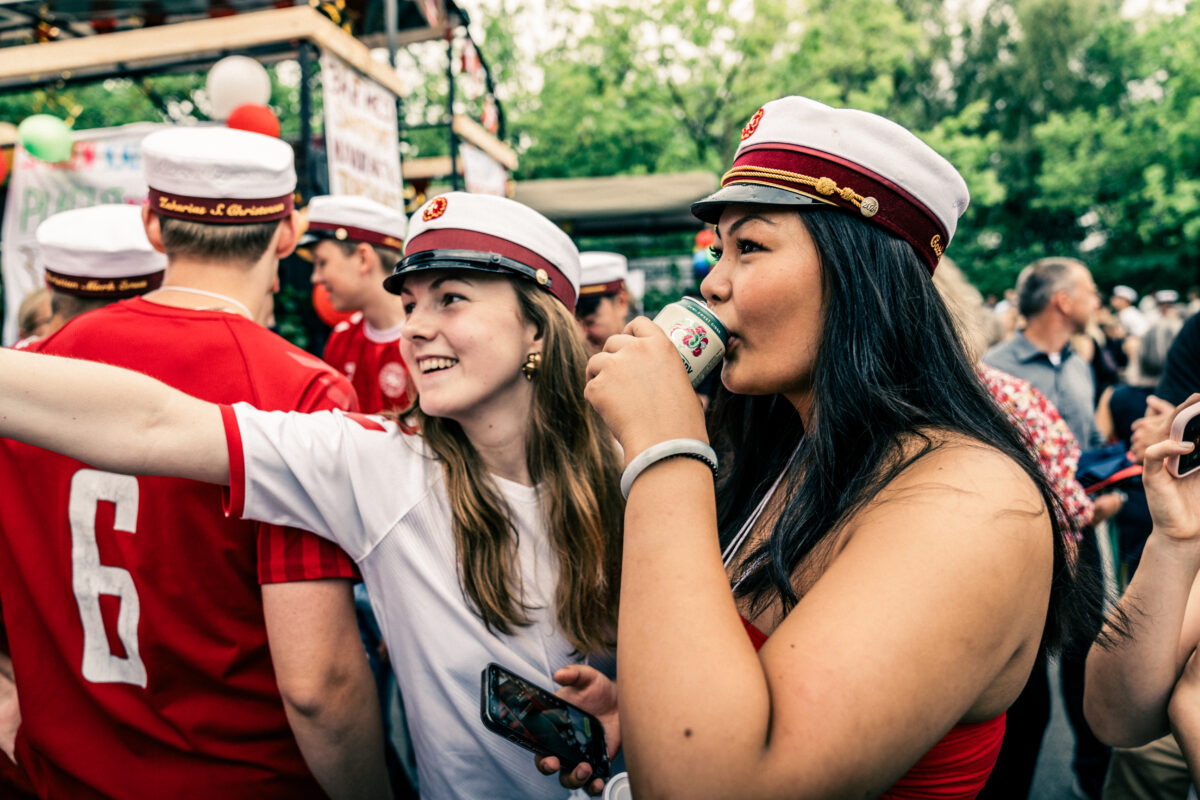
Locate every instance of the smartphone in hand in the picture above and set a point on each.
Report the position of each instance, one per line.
(1186, 428)
(542, 722)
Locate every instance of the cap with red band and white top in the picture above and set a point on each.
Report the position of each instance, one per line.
(348, 218)
(602, 273)
(796, 152)
(486, 233)
(99, 251)
(218, 175)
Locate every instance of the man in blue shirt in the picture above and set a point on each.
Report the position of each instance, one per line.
(1057, 297)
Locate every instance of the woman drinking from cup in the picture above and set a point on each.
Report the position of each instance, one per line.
(894, 552)
(486, 525)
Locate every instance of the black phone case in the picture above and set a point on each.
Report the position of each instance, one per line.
(600, 770)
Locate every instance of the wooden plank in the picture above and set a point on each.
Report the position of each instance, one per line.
(164, 41)
(423, 169)
(471, 131)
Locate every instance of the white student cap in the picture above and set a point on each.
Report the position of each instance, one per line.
(798, 152)
(218, 175)
(1166, 296)
(348, 218)
(602, 273)
(101, 251)
(490, 234)
(1125, 291)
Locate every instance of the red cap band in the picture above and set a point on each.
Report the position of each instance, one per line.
(612, 287)
(234, 211)
(115, 288)
(458, 239)
(841, 183)
(349, 233)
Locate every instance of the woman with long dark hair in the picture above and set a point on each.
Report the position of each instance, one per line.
(486, 523)
(895, 553)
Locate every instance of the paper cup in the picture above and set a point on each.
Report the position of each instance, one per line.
(697, 333)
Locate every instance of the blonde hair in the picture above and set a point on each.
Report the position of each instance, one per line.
(29, 311)
(573, 460)
(976, 325)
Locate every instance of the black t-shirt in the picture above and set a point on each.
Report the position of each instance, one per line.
(1181, 375)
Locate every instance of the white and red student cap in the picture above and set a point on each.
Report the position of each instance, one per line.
(349, 218)
(798, 152)
(218, 175)
(486, 233)
(99, 251)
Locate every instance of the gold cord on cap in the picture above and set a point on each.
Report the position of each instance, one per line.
(828, 187)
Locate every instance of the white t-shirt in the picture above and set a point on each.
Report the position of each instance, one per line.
(379, 494)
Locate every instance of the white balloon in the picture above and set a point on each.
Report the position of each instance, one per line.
(235, 81)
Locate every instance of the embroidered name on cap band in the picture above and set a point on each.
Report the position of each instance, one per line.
(115, 288)
(232, 210)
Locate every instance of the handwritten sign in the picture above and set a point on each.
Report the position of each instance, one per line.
(362, 140)
(105, 167)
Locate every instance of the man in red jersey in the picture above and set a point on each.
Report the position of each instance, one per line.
(148, 661)
(356, 243)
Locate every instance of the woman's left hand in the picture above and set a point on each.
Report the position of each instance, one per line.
(1174, 502)
(640, 388)
(592, 691)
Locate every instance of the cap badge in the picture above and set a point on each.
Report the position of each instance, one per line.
(752, 125)
(436, 208)
(340, 233)
(869, 207)
(936, 244)
(542, 277)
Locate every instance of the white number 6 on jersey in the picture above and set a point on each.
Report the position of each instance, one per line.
(90, 578)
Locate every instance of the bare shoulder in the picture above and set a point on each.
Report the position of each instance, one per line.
(960, 492)
(948, 464)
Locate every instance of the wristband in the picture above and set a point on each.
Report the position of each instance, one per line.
(688, 448)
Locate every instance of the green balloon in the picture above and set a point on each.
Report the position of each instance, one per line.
(46, 137)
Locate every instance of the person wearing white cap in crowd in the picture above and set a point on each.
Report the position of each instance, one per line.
(1124, 299)
(355, 242)
(893, 547)
(486, 523)
(95, 256)
(200, 682)
(604, 297)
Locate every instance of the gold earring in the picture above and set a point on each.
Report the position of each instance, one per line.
(531, 365)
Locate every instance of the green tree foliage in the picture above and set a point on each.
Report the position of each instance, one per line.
(1076, 128)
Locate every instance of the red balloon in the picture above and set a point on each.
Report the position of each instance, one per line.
(325, 310)
(256, 119)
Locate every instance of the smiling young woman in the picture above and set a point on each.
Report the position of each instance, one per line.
(486, 524)
(893, 549)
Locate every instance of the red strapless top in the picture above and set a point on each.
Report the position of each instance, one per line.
(956, 768)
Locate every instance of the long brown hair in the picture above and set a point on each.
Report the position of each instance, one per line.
(572, 459)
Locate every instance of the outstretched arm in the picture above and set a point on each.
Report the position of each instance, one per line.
(1129, 682)
(110, 418)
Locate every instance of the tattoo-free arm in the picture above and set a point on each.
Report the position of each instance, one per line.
(327, 688)
(110, 418)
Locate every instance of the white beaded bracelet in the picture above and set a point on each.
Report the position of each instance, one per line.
(688, 448)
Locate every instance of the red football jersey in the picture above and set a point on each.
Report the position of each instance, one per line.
(371, 360)
(132, 604)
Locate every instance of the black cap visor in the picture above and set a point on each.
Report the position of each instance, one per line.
(709, 209)
(475, 260)
(312, 237)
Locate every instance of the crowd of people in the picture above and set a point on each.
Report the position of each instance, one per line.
(843, 571)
